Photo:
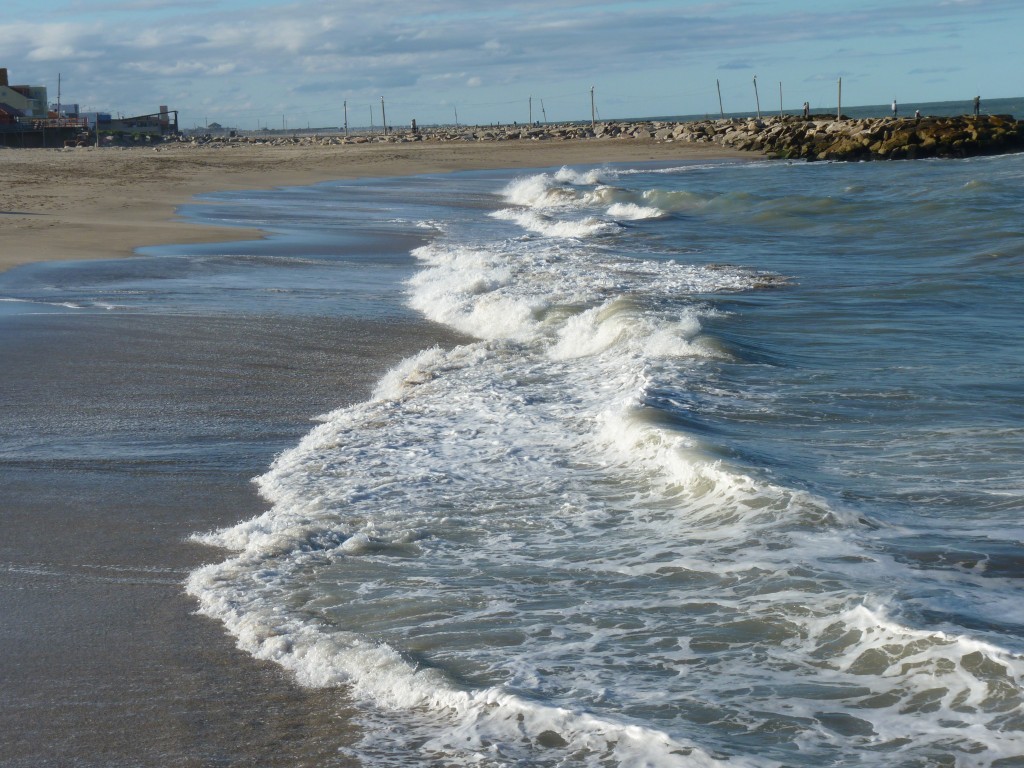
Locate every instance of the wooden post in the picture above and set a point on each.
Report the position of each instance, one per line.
(593, 118)
(839, 108)
(781, 111)
(346, 118)
(543, 112)
(383, 117)
(531, 111)
(757, 98)
(720, 109)
(456, 117)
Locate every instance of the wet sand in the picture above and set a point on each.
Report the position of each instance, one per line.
(134, 432)
(125, 433)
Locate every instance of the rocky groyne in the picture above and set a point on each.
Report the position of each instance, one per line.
(888, 138)
(789, 137)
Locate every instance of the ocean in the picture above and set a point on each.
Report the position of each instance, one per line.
(721, 464)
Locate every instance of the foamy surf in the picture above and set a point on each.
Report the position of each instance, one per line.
(477, 722)
(552, 545)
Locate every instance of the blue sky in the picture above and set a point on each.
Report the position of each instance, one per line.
(253, 63)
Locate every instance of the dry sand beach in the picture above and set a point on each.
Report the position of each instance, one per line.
(104, 662)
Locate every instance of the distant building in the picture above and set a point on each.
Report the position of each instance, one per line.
(96, 120)
(28, 120)
(64, 110)
(21, 100)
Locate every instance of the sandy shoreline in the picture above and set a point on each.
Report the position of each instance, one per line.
(98, 203)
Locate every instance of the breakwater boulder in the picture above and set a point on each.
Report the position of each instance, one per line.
(829, 138)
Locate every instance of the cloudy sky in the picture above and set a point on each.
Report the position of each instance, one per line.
(251, 63)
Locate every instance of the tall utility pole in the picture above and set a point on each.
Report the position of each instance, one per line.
(757, 99)
(383, 117)
(542, 112)
(58, 95)
(531, 111)
(456, 116)
(839, 109)
(721, 110)
(780, 99)
(593, 118)
(346, 118)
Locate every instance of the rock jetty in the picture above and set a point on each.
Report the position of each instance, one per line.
(818, 138)
(788, 137)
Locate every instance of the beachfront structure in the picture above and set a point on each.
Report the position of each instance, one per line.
(21, 100)
(25, 119)
(154, 124)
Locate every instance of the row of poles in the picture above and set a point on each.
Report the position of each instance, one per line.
(456, 109)
(593, 109)
(383, 117)
(757, 99)
(384, 120)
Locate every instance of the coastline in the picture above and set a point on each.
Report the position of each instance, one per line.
(88, 203)
(129, 432)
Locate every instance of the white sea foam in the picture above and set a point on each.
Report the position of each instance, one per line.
(541, 191)
(589, 177)
(633, 212)
(63, 304)
(533, 221)
(376, 672)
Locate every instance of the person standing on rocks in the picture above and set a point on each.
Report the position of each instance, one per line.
(977, 106)
(895, 109)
